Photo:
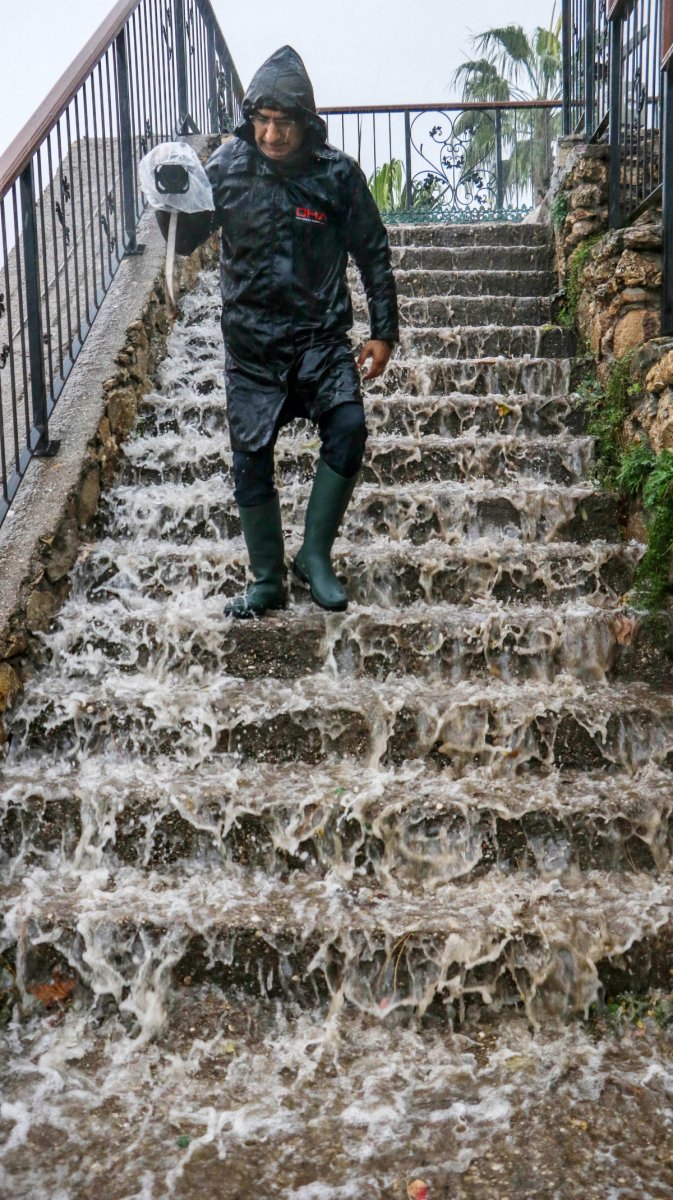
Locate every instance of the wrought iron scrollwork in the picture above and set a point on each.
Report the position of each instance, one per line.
(109, 235)
(61, 216)
(639, 91)
(458, 172)
(4, 355)
(2, 304)
(165, 36)
(146, 136)
(189, 29)
(224, 120)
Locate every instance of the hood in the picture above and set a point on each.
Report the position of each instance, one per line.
(282, 82)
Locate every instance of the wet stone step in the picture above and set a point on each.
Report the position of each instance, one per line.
(444, 643)
(500, 310)
(454, 512)
(450, 512)
(405, 825)
(413, 416)
(522, 1087)
(489, 341)
(455, 414)
(475, 283)
(473, 258)
(560, 459)
(485, 233)
(507, 945)
(381, 574)
(463, 726)
(475, 376)
(425, 375)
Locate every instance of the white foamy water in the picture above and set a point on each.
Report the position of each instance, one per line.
(313, 906)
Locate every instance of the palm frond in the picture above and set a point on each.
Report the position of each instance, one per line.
(509, 49)
(482, 81)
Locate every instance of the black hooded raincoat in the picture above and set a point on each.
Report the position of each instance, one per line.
(287, 230)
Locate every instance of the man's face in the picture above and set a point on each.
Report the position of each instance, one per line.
(277, 134)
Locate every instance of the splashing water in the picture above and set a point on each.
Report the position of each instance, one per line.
(318, 905)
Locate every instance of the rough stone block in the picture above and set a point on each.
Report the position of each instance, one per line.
(40, 608)
(661, 376)
(9, 685)
(639, 269)
(12, 644)
(580, 231)
(633, 328)
(122, 410)
(661, 431)
(61, 553)
(642, 237)
(587, 196)
(89, 494)
(592, 170)
(630, 296)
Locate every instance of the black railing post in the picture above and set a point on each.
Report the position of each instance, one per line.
(38, 389)
(181, 63)
(566, 44)
(667, 202)
(229, 94)
(615, 119)
(212, 81)
(499, 181)
(130, 215)
(407, 160)
(590, 69)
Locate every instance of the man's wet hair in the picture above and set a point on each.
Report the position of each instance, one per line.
(297, 114)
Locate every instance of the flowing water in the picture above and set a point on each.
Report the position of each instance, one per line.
(314, 906)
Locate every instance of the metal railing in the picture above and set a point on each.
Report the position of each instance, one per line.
(70, 200)
(636, 110)
(451, 162)
(637, 62)
(586, 67)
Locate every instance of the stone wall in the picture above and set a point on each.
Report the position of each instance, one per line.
(580, 197)
(612, 283)
(45, 584)
(620, 301)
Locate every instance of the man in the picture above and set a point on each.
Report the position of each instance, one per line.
(291, 209)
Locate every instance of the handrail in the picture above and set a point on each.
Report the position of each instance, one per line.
(222, 47)
(29, 139)
(441, 106)
(70, 199)
(425, 162)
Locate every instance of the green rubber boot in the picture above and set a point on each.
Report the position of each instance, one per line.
(329, 499)
(263, 533)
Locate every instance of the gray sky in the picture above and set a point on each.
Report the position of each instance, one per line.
(356, 51)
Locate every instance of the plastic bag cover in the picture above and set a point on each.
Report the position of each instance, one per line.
(198, 197)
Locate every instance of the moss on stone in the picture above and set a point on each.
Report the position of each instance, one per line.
(576, 264)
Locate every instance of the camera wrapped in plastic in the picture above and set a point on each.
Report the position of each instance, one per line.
(173, 179)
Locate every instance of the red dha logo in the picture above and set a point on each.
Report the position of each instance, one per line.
(308, 214)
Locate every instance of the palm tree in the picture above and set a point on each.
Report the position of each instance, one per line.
(510, 64)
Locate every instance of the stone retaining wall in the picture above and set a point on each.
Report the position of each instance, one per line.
(613, 284)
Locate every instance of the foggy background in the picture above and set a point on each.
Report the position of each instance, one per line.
(365, 52)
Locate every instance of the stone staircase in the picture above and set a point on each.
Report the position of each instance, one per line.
(313, 898)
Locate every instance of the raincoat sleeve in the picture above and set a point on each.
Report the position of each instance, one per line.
(193, 229)
(368, 246)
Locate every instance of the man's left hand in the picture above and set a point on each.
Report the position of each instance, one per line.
(379, 352)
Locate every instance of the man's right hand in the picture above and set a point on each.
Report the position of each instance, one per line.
(380, 353)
